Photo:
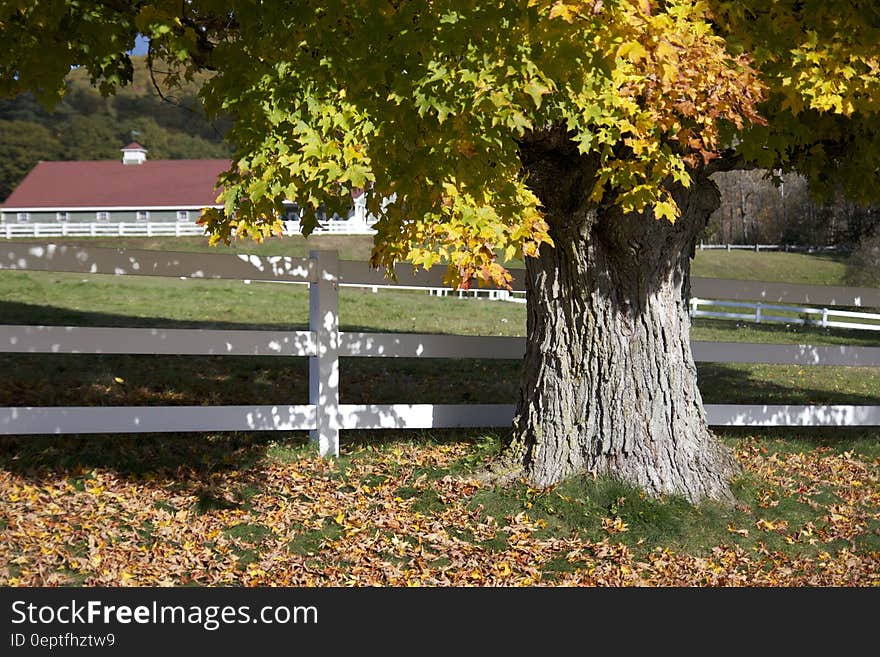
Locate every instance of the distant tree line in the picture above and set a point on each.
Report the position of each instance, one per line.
(88, 126)
(760, 208)
(757, 208)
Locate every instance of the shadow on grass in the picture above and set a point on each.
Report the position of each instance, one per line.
(27, 314)
(194, 459)
(722, 383)
(14, 312)
(123, 380)
(173, 456)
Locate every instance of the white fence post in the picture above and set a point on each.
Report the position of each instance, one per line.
(324, 367)
(824, 318)
(758, 313)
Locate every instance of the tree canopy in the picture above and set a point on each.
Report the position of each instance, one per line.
(426, 104)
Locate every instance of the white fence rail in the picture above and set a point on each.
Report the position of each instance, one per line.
(324, 416)
(762, 312)
(771, 247)
(155, 229)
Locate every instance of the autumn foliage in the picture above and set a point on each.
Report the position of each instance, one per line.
(396, 515)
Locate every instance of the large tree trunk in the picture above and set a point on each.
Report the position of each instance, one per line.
(609, 383)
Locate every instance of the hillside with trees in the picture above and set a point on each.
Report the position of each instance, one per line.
(85, 125)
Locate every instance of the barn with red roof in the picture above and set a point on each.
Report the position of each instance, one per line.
(133, 189)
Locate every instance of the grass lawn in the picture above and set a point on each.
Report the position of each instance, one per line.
(397, 507)
(771, 266)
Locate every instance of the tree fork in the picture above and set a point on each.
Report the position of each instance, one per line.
(609, 383)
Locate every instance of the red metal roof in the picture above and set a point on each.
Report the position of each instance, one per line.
(109, 183)
(133, 146)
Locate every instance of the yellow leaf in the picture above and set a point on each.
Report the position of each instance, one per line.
(118, 379)
(665, 210)
(613, 526)
(340, 517)
(632, 50)
(665, 50)
(564, 11)
(670, 73)
(503, 568)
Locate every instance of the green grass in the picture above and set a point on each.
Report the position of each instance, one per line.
(721, 330)
(249, 533)
(738, 383)
(803, 268)
(96, 300)
(578, 506)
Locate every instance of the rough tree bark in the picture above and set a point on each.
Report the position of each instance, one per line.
(609, 383)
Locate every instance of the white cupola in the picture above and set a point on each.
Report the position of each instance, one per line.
(134, 153)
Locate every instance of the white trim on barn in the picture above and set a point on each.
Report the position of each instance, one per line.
(110, 208)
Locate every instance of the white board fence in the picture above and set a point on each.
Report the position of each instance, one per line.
(762, 313)
(324, 417)
(157, 229)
